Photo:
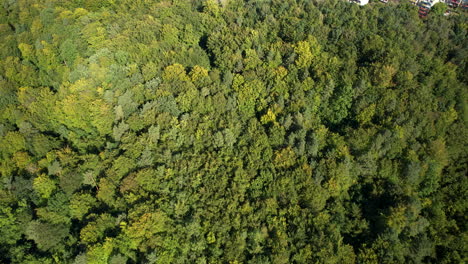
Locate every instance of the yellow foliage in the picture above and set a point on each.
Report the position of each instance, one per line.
(304, 59)
(365, 116)
(22, 159)
(281, 72)
(211, 7)
(36, 26)
(368, 256)
(439, 151)
(268, 117)
(12, 142)
(95, 34)
(175, 72)
(198, 73)
(210, 238)
(397, 218)
(285, 158)
(44, 185)
(400, 131)
(100, 253)
(306, 51)
(322, 219)
(81, 85)
(98, 72)
(80, 12)
(237, 82)
(145, 228)
(66, 14)
(26, 50)
(451, 115)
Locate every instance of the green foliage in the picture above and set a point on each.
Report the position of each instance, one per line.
(438, 9)
(232, 131)
(46, 236)
(94, 230)
(10, 231)
(80, 204)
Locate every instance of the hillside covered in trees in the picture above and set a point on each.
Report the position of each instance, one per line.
(279, 131)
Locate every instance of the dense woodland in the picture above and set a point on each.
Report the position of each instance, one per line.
(279, 131)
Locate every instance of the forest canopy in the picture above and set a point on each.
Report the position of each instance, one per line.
(274, 131)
